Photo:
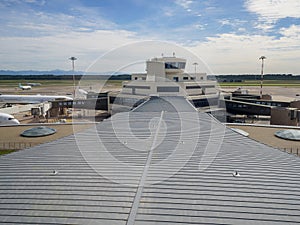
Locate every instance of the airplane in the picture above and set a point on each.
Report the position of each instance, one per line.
(7, 119)
(34, 84)
(31, 99)
(24, 87)
(83, 92)
(80, 93)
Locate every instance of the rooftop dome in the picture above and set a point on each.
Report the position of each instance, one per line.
(293, 135)
(38, 132)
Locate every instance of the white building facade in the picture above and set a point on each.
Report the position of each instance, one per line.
(166, 76)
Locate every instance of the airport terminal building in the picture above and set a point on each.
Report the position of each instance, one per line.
(163, 162)
(170, 174)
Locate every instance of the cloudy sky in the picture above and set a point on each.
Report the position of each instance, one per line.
(228, 35)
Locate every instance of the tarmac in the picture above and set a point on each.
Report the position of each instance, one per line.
(262, 134)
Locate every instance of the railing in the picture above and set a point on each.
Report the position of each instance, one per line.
(15, 145)
(295, 150)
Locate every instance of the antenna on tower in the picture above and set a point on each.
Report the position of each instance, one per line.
(73, 69)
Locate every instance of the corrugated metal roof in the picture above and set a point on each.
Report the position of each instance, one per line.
(156, 165)
(168, 104)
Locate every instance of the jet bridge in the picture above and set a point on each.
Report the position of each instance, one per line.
(247, 108)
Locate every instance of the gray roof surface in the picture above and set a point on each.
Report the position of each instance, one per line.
(168, 104)
(151, 166)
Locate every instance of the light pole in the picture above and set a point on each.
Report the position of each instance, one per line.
(262, 58)
(73, 69)
(195, 64)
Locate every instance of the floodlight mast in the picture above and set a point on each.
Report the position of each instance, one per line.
(73, 69)
(262, 58)
(195, 64)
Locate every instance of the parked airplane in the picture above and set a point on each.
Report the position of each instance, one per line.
(31, 99)
(24, 87)
(83, 92)
(7, 119)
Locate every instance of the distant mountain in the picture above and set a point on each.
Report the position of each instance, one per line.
(36, 72)
(53, 72)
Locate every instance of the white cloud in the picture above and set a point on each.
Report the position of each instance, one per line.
(265, 26)
(234, 23)
(38, 2)
(292, 31)
(224, 54)
(234, 54)
(184, 3)
(274, 9)
(270, 11)
(26, 21)
(52, 52)
(224, 22)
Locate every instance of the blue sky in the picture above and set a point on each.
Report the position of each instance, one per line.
(228, 35)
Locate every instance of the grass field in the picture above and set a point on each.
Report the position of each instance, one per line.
(4, 152)
(118, 83)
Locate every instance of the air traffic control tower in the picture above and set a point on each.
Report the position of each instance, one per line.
(166, 76)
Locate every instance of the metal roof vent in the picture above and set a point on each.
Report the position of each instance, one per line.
(54, 172)
(236, 174)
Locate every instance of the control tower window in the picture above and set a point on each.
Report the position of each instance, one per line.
(170, 65)
(181, 65)
(174, 65)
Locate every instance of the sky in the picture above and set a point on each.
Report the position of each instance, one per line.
(228, 36)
